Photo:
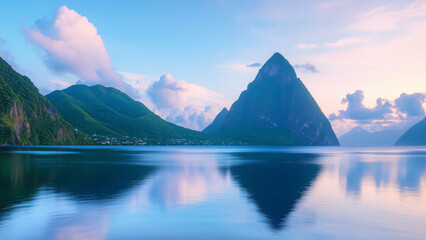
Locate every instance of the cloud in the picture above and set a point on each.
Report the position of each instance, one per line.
(407, 110)
(347, 41)
(73, 45)
(305, 46)
(411, 104)
(3, 53)
(242, 67)
(384, 18)
(331, 4)
(307, 67)
(356, 110)
(60, 84)
(7, 56)
(183, 103)
(339, 43)
(138, 81)
(255, 65)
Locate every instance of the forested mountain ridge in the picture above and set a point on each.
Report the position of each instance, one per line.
(27, 117)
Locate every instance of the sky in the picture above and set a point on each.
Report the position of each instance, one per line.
(363, 61)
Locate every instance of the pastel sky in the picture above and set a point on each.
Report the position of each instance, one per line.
(363, 61)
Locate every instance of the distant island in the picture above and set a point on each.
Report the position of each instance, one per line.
(276, 109)
(359, 137)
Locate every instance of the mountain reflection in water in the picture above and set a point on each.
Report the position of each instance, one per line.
(212, 192)
(275, 181)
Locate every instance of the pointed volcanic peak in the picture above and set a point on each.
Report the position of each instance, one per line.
(277, 109)
(217, 123)
(415, 136)
(28, 118)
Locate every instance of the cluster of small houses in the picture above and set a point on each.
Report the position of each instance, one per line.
(126, 140)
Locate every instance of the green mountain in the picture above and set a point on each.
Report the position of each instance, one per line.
(277, 109)
(109, 112)
(415, 136)
(28, 118)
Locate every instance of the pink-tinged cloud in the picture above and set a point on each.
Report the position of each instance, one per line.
(347, 41)
(402, 113)
(185, 104)
(388, 17)
(73, 45)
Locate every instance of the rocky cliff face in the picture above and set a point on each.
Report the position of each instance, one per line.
(277, 109)
(28, 118)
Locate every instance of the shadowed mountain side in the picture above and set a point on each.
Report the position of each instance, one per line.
(277, 109)
(275, 182)
(415, 136)
(83, 175)
(217, 123)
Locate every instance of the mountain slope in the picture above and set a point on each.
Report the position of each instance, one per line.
(359, 137)
(277, 109)
(217, 123)
(415, 136)
(108, 111)
(28, 118)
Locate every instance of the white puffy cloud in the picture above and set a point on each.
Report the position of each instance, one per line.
(356, 110)
(73, 45)
(185, 104)
(411, 104)
(401, 113)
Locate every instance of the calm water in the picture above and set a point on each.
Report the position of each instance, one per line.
(212, 193)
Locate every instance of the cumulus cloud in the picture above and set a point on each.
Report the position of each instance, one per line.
(411, 104)
(356, 110)
(254, 65)
(307, 67)
(183, 103)
(405, 112)
(73, 45)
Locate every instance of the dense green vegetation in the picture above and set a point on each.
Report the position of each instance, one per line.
(107, 111)
(27, 117)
